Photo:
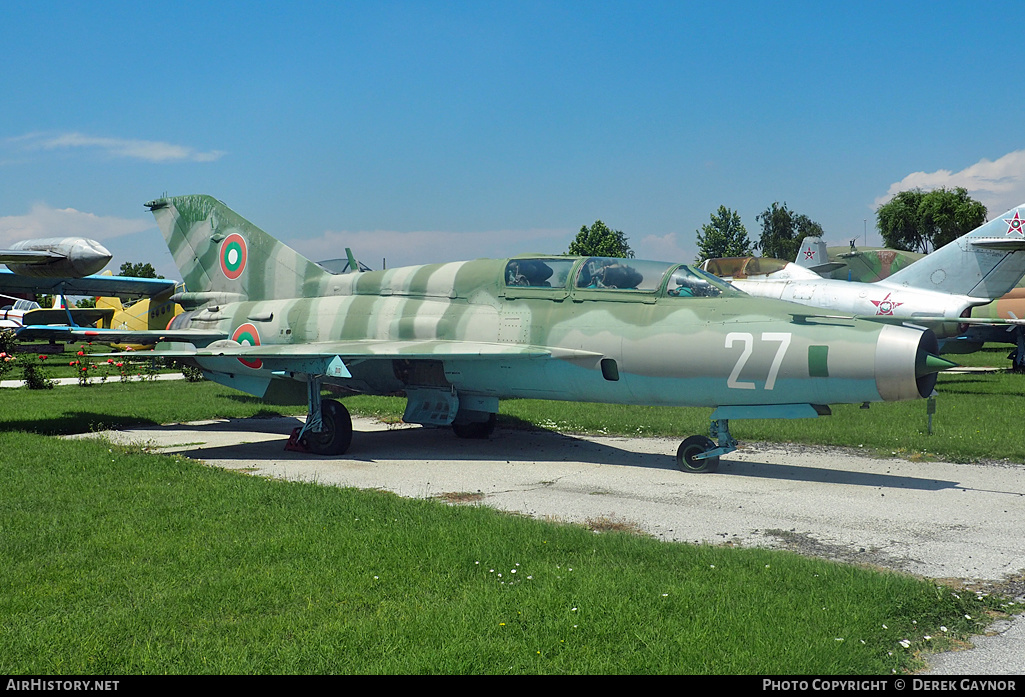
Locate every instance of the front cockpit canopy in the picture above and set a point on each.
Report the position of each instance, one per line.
(743, 267)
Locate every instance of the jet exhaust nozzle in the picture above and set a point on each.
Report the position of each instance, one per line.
(907, 363)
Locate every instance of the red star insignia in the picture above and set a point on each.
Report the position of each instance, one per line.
(809, 254)
(1015, 224)
(887, 306)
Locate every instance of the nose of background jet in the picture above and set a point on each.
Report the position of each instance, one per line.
(89, 257)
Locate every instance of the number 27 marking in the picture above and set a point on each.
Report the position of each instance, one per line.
(783, 338)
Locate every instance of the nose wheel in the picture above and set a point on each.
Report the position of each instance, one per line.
(701, 454)
(691, 457)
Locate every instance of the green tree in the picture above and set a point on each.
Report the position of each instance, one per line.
(783, 230)
(600, 241)
(724, 236)
(917, 221)
(900, 223)
(138, 270)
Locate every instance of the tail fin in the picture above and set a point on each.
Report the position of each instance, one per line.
(813, 256)
(986, 263)
(220, 252)
(110, 304)
(812, 253)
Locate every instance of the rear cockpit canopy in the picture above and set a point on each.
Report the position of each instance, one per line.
(539, 273)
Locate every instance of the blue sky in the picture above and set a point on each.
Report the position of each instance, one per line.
(434, 131)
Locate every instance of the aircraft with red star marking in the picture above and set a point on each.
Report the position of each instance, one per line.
(939, 290)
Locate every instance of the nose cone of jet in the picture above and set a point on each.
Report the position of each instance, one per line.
(89, 256)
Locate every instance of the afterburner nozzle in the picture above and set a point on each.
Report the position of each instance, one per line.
(907, 362)
(928, 363)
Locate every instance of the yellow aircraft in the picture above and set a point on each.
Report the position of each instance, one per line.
(152, 313)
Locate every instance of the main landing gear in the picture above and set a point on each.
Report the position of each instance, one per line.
(701, 454)
(332, 438)
(328, 428)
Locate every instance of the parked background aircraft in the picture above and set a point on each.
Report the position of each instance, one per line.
(865, 265)
(458, 337)
(20, 312)
(874, 264)
(55, 257)
(140, 324)
(869, 265)
(939, 289)
(143, 315)
(122, 286)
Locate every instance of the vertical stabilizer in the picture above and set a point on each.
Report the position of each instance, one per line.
(986, 263)
(812, 253)
(219, 251)
(111, 303)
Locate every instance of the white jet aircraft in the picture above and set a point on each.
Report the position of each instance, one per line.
(938, 290)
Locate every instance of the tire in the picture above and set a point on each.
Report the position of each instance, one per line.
(480, 430)
(686, 456)
(336, 435)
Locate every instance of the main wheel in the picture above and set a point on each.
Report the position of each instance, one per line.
(336, 433)
(686, 455)
(479, 430)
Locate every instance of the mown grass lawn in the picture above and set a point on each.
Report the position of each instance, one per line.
(117, 561)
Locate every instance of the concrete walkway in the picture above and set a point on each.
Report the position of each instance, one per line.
(96, 380)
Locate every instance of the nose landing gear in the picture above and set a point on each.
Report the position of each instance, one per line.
(701, 454)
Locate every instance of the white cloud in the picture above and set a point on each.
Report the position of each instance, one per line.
(664, 248)
(999, 184)
(44, 221)
(148, 150)
(429, 247)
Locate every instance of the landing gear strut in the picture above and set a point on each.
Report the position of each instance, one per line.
(328, 429)
(701, 454)
(335, 432)
(1017, 356)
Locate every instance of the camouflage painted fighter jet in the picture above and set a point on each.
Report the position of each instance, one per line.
(938, 290)
(458, 337)
(865, 265)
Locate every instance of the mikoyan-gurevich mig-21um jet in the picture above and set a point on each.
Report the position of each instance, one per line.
(458, 337)
(939, 289)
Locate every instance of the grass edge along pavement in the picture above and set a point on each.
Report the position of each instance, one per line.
(118, 561)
